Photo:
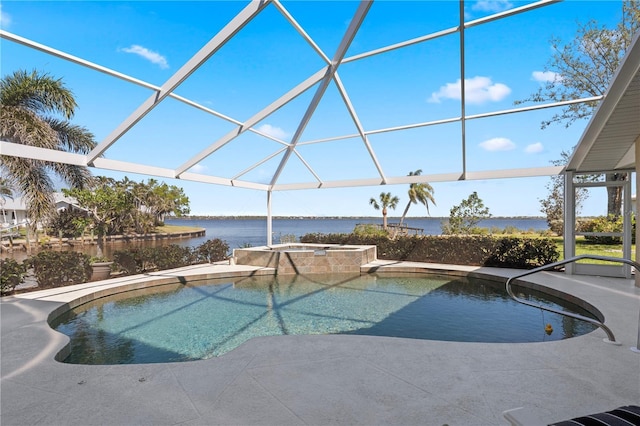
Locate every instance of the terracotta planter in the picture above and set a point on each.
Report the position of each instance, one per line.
(101, 271)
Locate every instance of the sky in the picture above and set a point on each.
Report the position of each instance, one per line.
(150, 40)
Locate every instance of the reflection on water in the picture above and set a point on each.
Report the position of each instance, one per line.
(201, 320)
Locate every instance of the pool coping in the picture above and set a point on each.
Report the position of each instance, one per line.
(322, 379)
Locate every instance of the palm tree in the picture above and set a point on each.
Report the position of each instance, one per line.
(34, 110)
(386, 201)
(418, 193)
(6, 191)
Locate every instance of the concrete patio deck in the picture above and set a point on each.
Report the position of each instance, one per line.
(318, 380)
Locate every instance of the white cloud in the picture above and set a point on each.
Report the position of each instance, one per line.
(546, 76)
(5, 19)
(477, 91)
(147, 54)
(270, 130)
(498, 144)
(492, 5)
(534, 148)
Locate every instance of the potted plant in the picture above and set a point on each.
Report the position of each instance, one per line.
(101, 268)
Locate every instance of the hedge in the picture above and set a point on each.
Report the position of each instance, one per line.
(61, 268)
(500, 251)
(54, 269)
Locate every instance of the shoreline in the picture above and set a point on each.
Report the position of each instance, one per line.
(293, 217)
(20, 244)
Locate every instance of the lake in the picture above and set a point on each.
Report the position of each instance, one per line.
(244, 232)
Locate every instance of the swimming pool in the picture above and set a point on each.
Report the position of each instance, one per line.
(182, 322)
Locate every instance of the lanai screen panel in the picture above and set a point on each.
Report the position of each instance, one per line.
(342, 96)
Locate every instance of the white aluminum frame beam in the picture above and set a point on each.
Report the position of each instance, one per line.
(358, 124)
(347, 38)
(463, 97)
(454, 119)
(219, 40)
(443, 177)
(301, 31)
(44, 154)
(510, 12)
(261, 115)
(325, 75)
(91, 65)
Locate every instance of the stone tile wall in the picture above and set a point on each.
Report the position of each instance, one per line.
(308, 258)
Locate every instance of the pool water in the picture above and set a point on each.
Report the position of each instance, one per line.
(182, 322)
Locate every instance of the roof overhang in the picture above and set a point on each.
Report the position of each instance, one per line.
(608, 142)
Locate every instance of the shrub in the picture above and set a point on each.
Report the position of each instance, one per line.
(556, 226)
(609, 223)
(11, 275)
(60, 268)
(130, 261)
(68, 222)
(464, 218)
(212, 251)
(477, 250)
(288, 238)
(478, 230)
(510, 229)
(139, 260)
(523, 253)
(368, 229)
(147, 259)
(171, 256)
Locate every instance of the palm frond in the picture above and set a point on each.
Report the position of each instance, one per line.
(23, 126)
(72, 137)
(34, 183)
(37, 92)
(75, 176)
(28, 103)
(6, 188)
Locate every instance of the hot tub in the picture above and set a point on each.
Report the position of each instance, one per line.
(300, 258)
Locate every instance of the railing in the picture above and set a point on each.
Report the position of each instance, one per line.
(10, 230)
(403, 229)
(610, 337)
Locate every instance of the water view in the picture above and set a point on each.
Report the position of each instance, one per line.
(253, 232)
(244, 232)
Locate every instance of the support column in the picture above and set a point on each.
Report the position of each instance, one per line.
(569, 220)
(269, 220)
(637, 210)
(627, 212)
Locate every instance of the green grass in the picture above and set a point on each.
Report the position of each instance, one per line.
(584, 247)
(175, 228)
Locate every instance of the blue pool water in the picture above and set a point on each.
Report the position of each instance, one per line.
(184, 322)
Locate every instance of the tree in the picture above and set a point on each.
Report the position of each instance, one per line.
(386, 201)
(6, 190)
(418, 193)
(553, 205)
(584, 68)
(160, 199)
(464, 217)
(119, 207)
(105, 203)
(34, 111)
